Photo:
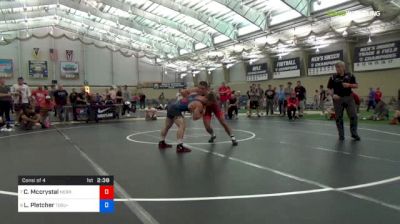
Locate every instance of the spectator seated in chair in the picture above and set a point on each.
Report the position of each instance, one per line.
(29, 118)
(150, 113)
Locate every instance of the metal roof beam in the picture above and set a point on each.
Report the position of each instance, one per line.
(301, 6)
(254, 16)
(164, 48)
(179, 42)
(221, 26)
(190, 32)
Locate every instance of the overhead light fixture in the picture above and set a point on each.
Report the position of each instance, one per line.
(317, 50)
(344, 34)
(1, 38)
(369, 40)
(280, 57)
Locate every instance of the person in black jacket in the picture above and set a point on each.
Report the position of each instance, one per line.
(340, 86)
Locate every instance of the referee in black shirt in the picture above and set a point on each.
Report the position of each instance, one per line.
(340, 86)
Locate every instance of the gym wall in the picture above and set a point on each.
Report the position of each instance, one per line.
(99, 66)
(388, 80)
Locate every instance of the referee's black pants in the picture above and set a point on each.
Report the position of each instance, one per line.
(348, 103)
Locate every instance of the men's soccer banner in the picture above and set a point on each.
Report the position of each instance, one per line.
(324, 64)
(287, 68)
(377, 57)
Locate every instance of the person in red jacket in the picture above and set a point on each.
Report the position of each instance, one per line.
(378, 95)
(292, 104)
(224, 95)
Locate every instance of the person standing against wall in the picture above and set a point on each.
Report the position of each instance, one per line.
(118, 100)
(378, 95)
(371, 99)
(142, 100)
(288, 91)
(5, 103)
(260, 96)
(113, 94)
(61, 99)
(39, 95)
(73, 98)
(21, 94)
(340, 86)
(270, 97)
(322, 97)
(301, 96)
(224, 95)
(316, 100)
(161, 100)
(126, 98)
(281, 100)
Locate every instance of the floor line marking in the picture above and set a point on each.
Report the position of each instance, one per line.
(146, 133)
(334, 135)
(344, 153)
(311, 182)
(333, 125)
(133, 206)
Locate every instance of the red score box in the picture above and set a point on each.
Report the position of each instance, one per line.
(106, 192)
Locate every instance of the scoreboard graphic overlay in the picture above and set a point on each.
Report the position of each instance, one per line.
(66, 194)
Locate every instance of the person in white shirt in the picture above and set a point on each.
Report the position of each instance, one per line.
(21, 95)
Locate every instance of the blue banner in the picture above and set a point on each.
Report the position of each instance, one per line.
(6, 68)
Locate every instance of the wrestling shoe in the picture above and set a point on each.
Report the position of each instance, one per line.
(163, 145)
(182, 149)
(234, 142)
(211, 140)
(356, 137)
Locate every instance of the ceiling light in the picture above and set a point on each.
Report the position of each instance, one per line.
(317, 50)
(369, 40)
(345, 33)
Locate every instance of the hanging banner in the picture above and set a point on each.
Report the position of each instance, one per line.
(171, 85)
(287, 68)
(69, 54)
(6, 68)
(377, 57)
(38, 69)
(324, 64)
(69, 70)
(53, 54)
(35, 53)
(257, 72)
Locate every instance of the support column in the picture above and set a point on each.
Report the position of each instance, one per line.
(209, 78)
(227, 75)
(112, 68)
